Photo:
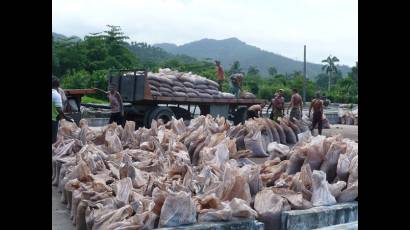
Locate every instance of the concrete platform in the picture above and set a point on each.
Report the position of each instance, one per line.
(318, 217)
(231, 225)
(348, 226)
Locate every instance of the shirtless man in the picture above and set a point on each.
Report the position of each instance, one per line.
(255, 110)
(278, 105)
(317, 105)
(295, 105)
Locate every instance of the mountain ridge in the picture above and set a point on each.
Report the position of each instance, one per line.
(231, 49)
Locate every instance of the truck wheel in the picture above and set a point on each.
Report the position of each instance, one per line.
(163, 113)
(240, 115)
(147, 117)
(181, 113)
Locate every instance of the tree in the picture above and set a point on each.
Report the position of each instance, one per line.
(56, 63)
(253, 70)
(272, 71)
(353, 73)
(235, 68)
(330, 67)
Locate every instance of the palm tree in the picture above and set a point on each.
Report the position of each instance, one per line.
(330, 67)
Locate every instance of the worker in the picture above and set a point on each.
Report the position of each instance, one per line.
(236, 84)
(295, 105)
(56, 108)
(317, 106)
(278, 105)
(117, 108)
(63, 98)
(255, 110)
(219, 74)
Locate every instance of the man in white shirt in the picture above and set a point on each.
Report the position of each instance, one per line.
(56, 107)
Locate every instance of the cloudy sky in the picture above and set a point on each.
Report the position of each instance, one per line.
(280, 26)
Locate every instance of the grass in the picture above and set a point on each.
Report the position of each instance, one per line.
(87, 99)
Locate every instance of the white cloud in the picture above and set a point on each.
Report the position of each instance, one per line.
(326, 27)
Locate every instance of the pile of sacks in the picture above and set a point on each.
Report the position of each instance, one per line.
(350, 117)
(171, 83)
(173, 174)
(256, 134)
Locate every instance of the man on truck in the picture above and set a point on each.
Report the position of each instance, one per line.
(56, 108)
(219, 74)
(295, 105)
(236, 84)
(317, 106)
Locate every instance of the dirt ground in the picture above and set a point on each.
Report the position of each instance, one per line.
(61, 216)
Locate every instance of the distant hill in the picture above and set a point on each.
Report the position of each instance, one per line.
(232, 49)
(60, 37)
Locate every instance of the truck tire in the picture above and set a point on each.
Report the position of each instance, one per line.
(147, 117)
(163, 113)
(240, 115)
(181, 113)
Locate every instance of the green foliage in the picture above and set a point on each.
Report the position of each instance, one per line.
(272, 71)
(87, 99)
(235, 68)
(253, 70)
(82, 79)
(85, 64)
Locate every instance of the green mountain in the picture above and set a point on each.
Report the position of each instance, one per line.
(232, 49)
(60, 37)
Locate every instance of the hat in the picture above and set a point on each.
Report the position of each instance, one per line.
(280, 90)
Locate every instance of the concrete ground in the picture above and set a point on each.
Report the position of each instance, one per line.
(61, 216)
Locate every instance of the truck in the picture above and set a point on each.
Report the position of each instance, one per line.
(143, 107)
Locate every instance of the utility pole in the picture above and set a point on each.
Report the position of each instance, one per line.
(304, 74)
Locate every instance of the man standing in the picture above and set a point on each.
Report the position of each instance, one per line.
(117, 108)
(219, 74)
(317, 105)
(56, 108)
(236, 84)
(278, 105)
(295, 105)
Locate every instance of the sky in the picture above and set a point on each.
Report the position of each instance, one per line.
(326, 27)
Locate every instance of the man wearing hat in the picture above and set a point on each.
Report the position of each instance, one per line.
(278, 105)
(236, 84)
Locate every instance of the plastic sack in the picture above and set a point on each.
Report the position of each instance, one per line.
(278, 150)
(353, 171)
(336, 188)
(253, 141)
(113, 142)
(297, 157)
(329, 164)
(234, 185)
(342, 168)
(269, 207)
(321, 195)
(350, 193)
(178, 209)
(241, 209)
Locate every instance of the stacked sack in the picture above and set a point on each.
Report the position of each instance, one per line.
(169, 83)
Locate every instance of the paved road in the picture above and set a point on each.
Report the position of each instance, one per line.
(61, 216)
